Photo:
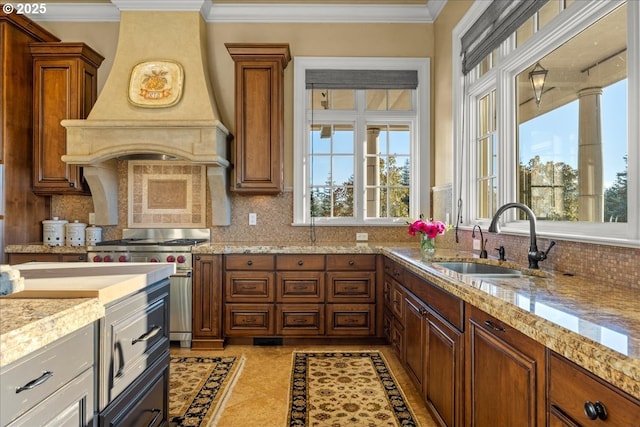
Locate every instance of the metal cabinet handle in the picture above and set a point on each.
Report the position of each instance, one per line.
(493, 326)
(250, 262)
(351, 262)
(594, 411)
(147, 335)
(35, 383)
(300, 262)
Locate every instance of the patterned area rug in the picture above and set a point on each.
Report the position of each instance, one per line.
(346, 389)
(198, 387)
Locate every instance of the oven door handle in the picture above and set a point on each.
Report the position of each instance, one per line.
(182, 274)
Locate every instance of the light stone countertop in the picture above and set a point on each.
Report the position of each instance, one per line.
(60, 298)
(595, 325)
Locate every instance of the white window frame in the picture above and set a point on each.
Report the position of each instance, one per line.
(420, 181)
(511, 62)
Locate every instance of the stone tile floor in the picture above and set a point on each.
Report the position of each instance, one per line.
(261, 394)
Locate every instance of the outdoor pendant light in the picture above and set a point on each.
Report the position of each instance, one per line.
(537, 77)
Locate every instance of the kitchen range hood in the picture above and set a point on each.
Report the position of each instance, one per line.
(157, 103)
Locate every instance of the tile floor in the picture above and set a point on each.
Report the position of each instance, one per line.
(261, 393)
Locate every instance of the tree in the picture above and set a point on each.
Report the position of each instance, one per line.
(615, 198)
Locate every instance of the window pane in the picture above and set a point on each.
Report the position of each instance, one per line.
(320, 170)
(343, 139)
(484, 115)
(342, 171)
(525, 31)
(319, 143)
(320, 202)
(548, 12)
(572, 147)
(332, 99)
(343, 201)
(388, 99)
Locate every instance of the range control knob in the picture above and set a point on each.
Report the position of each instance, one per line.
(108, 258)
(153, 260)
(122, 258)
(171, 258)
(181, 259)
(97, 258)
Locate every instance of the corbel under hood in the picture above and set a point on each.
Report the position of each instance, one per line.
(117, 128)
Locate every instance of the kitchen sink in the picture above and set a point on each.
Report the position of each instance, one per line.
(477, 269)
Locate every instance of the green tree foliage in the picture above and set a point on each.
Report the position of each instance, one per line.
(615, 198)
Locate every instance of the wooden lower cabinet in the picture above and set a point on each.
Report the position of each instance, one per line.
(505, 374)
(444, 371)
(207, 302)
(299, 295)
(415, 350)
(20, 258)
(591, 401)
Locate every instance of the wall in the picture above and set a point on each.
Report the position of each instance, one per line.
(274, 212)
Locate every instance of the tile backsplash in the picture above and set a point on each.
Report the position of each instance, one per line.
(606, 264)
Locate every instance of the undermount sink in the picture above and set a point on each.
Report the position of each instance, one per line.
(477, 269)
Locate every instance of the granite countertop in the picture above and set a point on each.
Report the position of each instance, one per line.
(60, 298)
(596, 327)
(593, 324)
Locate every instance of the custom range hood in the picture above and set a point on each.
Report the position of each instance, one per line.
(157, 102)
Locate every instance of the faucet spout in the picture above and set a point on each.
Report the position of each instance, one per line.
(534, 254)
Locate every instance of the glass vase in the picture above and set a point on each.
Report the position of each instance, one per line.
(427, 247)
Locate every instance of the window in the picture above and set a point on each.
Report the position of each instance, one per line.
(573, 158)
(361, 155)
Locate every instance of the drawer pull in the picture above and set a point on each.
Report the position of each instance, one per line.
(250, 262)
(153, 421)
(493, 326)
(35, 383)
(351, 288)
(300, 262)
(249, 320)
(299, 321)
(351, 321)
(248, 287)
(147, 335)
(299, 287)
(351, 262)
(594, 411)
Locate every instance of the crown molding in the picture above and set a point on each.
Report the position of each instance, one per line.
(256, 13)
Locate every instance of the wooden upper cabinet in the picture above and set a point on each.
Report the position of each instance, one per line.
(65, 87)
(259, 109)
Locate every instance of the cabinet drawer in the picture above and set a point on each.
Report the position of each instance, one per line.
(249, 319)
(301, 319)
(351, 262)
(351, 319)
(351, 287)
(584, 387)
(450, 307)
(393, 269)
(300, 262)
(304, 286)
(145, 403)
(249, 262)
(71, 405)
(249, 287)
(136, 335)
(44, 372)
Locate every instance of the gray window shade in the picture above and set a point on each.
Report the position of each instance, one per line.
(361, 79)
(493, 27)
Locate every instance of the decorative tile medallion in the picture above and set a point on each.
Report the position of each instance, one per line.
(165, 195)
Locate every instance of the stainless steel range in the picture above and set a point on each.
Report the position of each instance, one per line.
(160, 245)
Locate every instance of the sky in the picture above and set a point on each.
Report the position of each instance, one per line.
(554, 136)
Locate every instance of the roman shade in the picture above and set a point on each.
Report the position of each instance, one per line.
(493, 27)
(361, 79)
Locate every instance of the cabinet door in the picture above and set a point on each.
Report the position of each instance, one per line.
(505, 374)
(351, 286)
(65, 87)
(207, 301)
(249, 286)
(259, 111)
(444, 371)
(608, 404)
(300, 286)
(414, 337)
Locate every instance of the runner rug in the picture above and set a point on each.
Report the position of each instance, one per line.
(346, 389)
(198, 387)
